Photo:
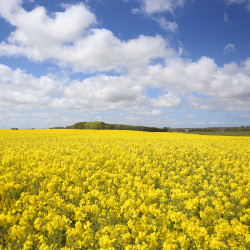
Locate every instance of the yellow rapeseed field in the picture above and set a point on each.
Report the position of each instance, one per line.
(86, 189)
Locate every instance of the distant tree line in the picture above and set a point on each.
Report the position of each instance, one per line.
(103, 126)
(106, 126)
(212, 129)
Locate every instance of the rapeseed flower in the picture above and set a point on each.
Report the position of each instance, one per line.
(73, 189)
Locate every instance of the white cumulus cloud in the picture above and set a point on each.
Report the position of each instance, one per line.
(100, 93)
(166, 101)
(227, 87)
(36, 27)
(20, 90)
(69, 38)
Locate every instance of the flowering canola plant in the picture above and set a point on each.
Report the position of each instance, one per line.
(91, 189)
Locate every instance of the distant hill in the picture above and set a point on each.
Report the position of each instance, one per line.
(103, 125)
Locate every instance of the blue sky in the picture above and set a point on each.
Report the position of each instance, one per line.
(174, 63)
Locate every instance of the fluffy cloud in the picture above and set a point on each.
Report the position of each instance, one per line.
(180, 75)
(69, 38)
(232, 90)
(226, 87)
(100, 93)
(166, 100)
(101, 51)
(154, 9)
(36, 28)
(159, 6)
(200, 103)
(167, 25)
(20, 90)
(203, 84)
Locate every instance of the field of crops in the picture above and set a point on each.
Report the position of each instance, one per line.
(86, 189)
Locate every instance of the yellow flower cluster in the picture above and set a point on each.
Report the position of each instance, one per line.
(86, 189)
